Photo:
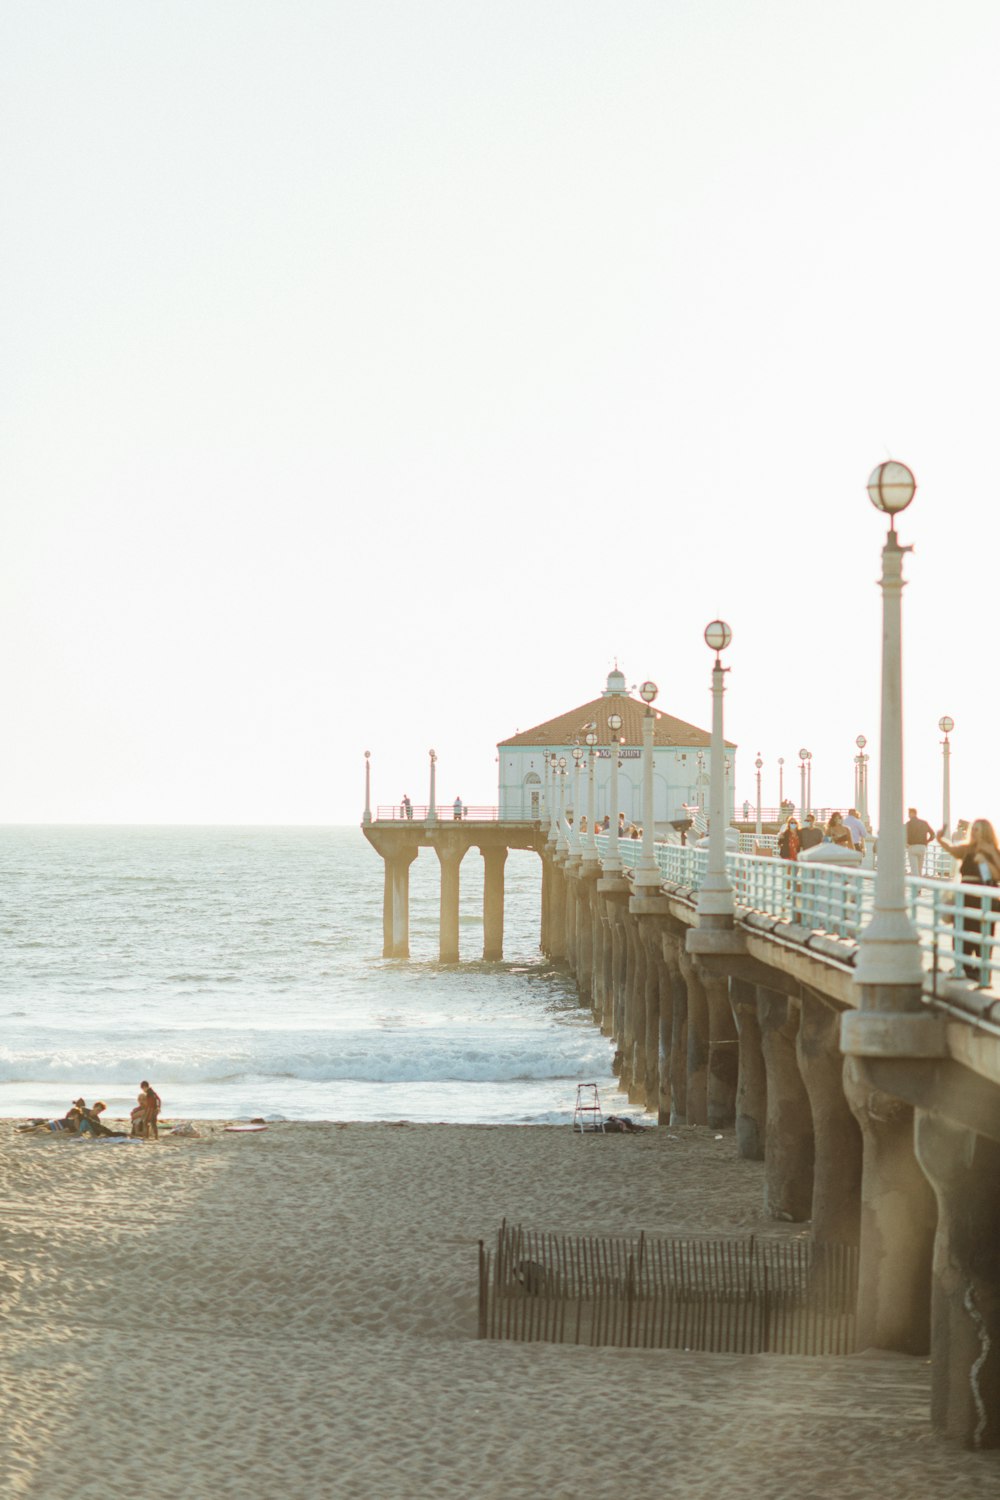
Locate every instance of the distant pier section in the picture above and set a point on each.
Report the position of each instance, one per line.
(398, 833)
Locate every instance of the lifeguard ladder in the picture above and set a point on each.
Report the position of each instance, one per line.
(587, 1114)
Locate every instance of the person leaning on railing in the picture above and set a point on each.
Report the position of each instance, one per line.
(979, 858)
(789, 842)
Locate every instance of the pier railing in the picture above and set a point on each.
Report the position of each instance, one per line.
(955, 923)
(445, 812)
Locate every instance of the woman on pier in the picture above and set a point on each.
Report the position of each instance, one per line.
(979, 864)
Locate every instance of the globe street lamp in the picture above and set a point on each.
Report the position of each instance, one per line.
(648, 871)
(553, 808)
(861, 779)
(805, 756)
(946, 725)
(781, 781)
(574, 833)
(889, 967)
(758, 763)
(590, 843)
(562, 843)
(715, 899)
(613, 860)
(368, 787)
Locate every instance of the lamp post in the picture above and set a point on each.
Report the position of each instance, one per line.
(648, 872)
(809, 781)
(553, 763)
(591, 843)
(701, 780)
(859, 776)
(368, 787)
(946, 725)
(781, 781)
(576, 848)
(715, 899)
(432, 816)
(613, 860)
(758, 763)
(889, 967)
(562, 843)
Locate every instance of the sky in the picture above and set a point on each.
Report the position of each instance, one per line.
(375, 376)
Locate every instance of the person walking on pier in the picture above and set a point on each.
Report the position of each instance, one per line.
(918, 835)
(457, 809)
(406, 807)
(980, 865)
(789, 841)
(810, 835)
(852, 820)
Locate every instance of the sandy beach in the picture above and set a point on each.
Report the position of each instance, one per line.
(292, 1315)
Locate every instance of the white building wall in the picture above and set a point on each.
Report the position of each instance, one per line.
(678, 781)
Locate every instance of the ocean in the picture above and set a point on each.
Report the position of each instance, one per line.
(240, 971)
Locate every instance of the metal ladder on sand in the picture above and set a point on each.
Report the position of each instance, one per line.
(587, 1114)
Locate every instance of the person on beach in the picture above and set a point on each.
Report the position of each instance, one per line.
(150, 1111)
(980, 865)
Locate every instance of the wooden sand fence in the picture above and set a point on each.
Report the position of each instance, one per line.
(727, 1296)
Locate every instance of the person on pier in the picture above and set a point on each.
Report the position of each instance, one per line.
(979, 859)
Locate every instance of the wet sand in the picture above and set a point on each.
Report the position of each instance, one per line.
(291, 1315)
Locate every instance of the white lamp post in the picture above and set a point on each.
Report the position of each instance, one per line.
(809, 780)
(889, 961)
(591, 842)
(803, 809)
(758, 763)
(862, 801)
(613, 860)
(553, 763)
(781, 781)
(715, 899)
(574, 833)
(946, 725)
(368, 786)
(562, 843)
(648, 872)
(432, 806)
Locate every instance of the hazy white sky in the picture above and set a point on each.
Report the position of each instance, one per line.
(374, 374)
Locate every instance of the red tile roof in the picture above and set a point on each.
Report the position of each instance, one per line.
(565, 729)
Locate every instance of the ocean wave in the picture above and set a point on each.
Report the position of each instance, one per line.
(394, 1058)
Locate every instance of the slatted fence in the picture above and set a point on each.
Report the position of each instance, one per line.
(736, 1295)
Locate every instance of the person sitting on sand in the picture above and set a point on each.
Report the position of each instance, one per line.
(66, 1125)
(91, 1122)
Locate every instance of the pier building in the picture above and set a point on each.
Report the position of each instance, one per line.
(682, 760)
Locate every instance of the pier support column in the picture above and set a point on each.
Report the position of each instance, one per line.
(697, 1042)
(634, 1040)
(451, 860)
(673, 946)
(898, 1222)
(556, 910)
(614, 893)
(964, 1170)
(788, 1145)
(494, 860)
(586, 941)
(396, 903)
(751, 1089)
(723, 1053)
(651, 938)
(836, 1199)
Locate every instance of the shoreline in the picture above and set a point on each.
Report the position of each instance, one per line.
(294, 1312)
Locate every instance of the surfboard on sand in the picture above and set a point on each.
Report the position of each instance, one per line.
(244, 1129)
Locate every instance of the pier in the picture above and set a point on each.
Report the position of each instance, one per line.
(844, 1022)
